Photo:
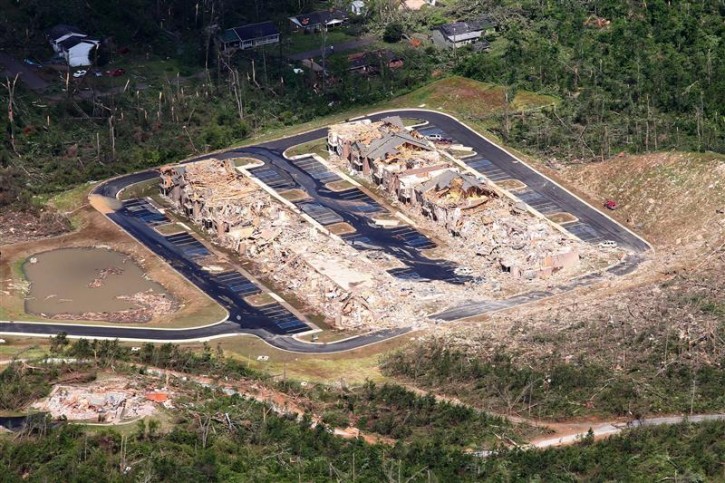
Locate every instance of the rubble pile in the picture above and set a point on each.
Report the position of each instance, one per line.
(324, 273)
(110, 401)
(493, 242)
(483, 226)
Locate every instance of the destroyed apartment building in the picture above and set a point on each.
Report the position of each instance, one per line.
(327, 274)
(473, 210)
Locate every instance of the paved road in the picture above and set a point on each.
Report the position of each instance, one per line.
(138, 221)
(28, 74)
(331, 49)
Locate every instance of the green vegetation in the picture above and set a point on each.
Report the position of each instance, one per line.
(318, 147)
(233, 439)
(20, 384)
(682, 452)
(393, 411)
(557, 389)
(648, 76)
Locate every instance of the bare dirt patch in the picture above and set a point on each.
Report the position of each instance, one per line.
(670, 198)
(245, 162)
(511, 184)
(341, 228)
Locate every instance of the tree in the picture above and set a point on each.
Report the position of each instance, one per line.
(58, 343)
(393, 32)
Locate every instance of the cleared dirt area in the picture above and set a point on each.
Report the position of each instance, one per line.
(97, 231)
(470, 98)
(670, 198)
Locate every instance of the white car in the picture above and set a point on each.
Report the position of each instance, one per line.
(79, 73)
(608, 244)
(434, 137)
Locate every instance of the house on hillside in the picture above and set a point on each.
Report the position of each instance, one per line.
(72, 45)
(320, 20)
(370, 63)
(248, 36)
(459, 34)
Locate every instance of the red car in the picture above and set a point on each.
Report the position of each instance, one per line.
(611, 205)
(115, 72)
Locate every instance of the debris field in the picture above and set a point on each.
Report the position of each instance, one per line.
(494, 241)
(109, 401)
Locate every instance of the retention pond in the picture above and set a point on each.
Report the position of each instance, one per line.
(91, 283)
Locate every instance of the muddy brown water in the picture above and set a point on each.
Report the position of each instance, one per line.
(60, 281)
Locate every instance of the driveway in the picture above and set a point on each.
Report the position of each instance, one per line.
(28, 73)
(332, 49)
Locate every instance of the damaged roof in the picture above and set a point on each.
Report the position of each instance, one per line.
(445, 180)
(389, 143)
(471, 26)
(320, 17)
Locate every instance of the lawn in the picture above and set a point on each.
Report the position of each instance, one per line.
(318, 146)
(467, 98)
(300, 42)
(472, 101)
(351, 367)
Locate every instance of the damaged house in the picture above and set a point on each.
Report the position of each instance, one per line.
(211, 195)
(381, 149)
(472, 210)
(336, 279)
(450, 196)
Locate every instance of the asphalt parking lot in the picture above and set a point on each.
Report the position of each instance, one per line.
(354, 207)
(183, 251)
(539, 193)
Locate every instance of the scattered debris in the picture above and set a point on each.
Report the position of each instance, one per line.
(482, 223)
(109, 401)
(103, 274)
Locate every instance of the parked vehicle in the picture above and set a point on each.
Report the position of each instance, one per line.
(434, 137)
(79, 73)
(115, 72)
(611, 205)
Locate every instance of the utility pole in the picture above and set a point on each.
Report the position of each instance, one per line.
(455, 45)
(324, 55)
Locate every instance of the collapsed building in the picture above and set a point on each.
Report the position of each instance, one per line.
(412, 171)
(381, 149)
(331, 276)
(114, 400)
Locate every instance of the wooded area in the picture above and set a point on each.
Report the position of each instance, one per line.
(183, 99)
